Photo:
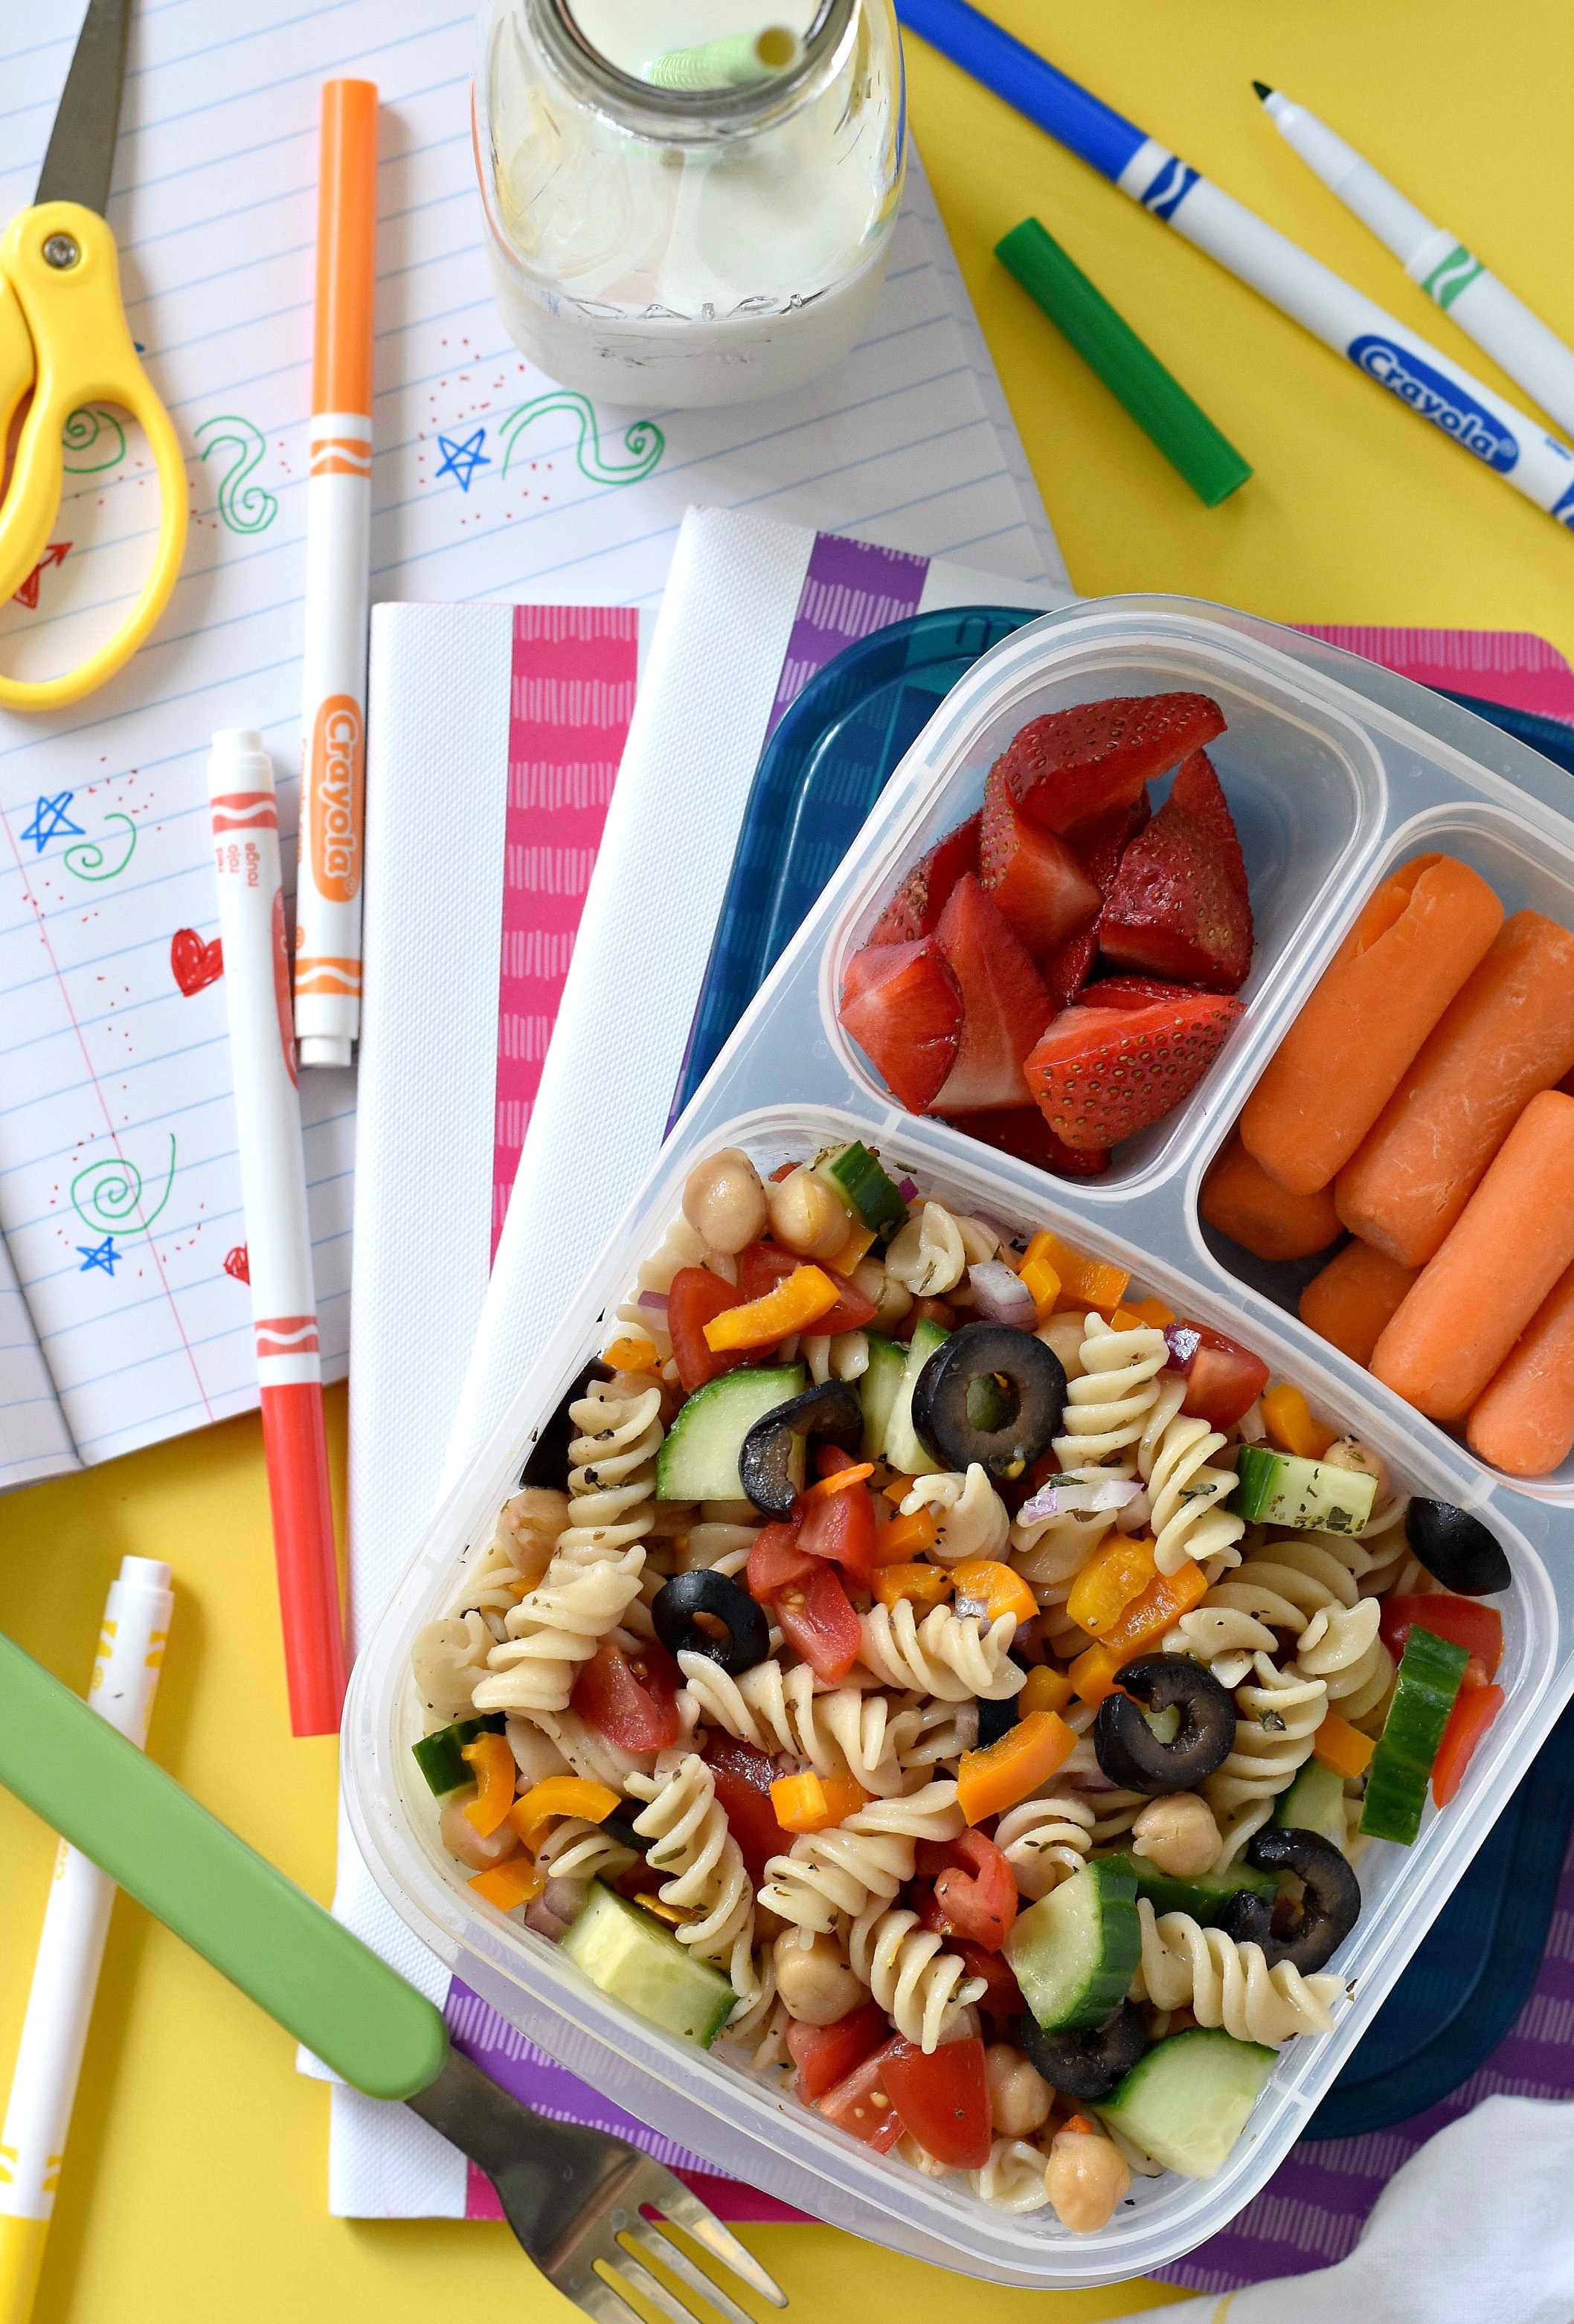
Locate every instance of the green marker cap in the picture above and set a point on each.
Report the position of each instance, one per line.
(1106, 343)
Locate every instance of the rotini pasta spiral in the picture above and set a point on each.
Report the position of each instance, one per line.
(1013, 2179)
(447, 1659)
(1285, 1585)
(926, 1734)
(709, 1881)
(585, 1750)
(916, 1982)
(612, 1479)
(1114, 1810)
(844, 1732)
(946, 1654)
(867, 1856)
(576, 1851)
(1108, 1407)
(1223, 1637)
(1188, 1515)
(1046, 1840)
(1341, 1646)
(1276, 1720)
(970, 1517)
(1049, 1552)
(1226, 1983)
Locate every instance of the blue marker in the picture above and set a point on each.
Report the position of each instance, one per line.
(1387, 350)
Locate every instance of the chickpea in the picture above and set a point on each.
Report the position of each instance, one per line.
(1063, 1334)
(461, 1839)
(1349, 1452)
(1084, 2177)
(724, 1201)
(806, 1216)
(1019, 2098)
(893, 1299)
(528, 1525)
(1177, 1834)
(814, 1980)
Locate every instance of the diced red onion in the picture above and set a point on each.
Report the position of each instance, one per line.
(564, 1897)
(1250, 1428)
(1182, 1340)
(657, 1300)
(1002, 1296)
(540, 1917)
(1135, 1514)
(1079, 1497)
(908, 1191)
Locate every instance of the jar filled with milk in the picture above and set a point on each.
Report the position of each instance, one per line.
(688, 201)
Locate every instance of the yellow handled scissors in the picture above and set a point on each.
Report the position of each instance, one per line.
(63, 334)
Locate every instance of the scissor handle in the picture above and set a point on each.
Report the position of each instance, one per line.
(64, 274)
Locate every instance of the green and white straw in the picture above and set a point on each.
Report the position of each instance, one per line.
(737, 62)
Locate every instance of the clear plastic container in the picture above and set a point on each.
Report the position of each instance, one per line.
(1333, 769)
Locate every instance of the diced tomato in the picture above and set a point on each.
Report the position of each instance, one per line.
(943, 2100)
(926, 1311)
(631, 1699)
(825, 2055)
(1475, 1709)
(762, 1265)
(1223, 1379)
(860, 2102)
(1003, 1993)
(829, 1458)
(841, 1527)
(1476, 1627)
(775, 1560)
(818, 1623)
(696, 1297)
(744, 1778)
(977, 1892)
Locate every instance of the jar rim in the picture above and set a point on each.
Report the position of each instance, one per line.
(689, 116)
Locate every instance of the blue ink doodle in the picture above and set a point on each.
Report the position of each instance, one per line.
(103, 1256)
(50, 821)
(643, 442)
(87, 860)
(253, 510)
(107, 1197)
(462, 460)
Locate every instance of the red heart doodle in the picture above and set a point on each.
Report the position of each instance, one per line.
(194, 963)
(237, 1262)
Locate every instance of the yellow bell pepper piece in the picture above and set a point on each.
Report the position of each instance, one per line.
(903, 1538)
(1026, 1756)
(1288, 1416)
(1041, 1279)
(812, 1803)
(560, 1795)
(857, 1247)
(1047, 1689)
(1113, 1576)
(1087, 1282)
(1341, 1746)
(924, 1585)
(983, 1582)
(793, 1305)
(1138, 1627)
(1151, 1312)
(492, 1761)
(511, 1883)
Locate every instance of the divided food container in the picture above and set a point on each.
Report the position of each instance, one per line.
(1335, 771)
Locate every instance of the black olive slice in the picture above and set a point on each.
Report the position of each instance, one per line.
(704, 1613)
(952, 1406)
(1129, 1752)
(996, 1720)
(547, 1465)
(1455, 1548)
(830, 1411)
(1248, 1918)
(1085, 2065)
(1332, 1903)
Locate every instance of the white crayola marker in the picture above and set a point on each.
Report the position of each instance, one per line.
(338, 515)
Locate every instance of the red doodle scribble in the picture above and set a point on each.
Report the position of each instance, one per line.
(193, 964)
(55, 554)
(237, 1262)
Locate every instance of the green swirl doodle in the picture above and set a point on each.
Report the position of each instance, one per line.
(107, 1197)
(255, 509)
(87, 858)
(643, 442)
(81, 432)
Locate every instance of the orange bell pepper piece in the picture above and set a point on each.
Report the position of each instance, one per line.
(1026, 1756)
(560, 1795)
(812, 1803)
(903, 1538)
(1138, 1627)
(983, 1581)
(1046, 1690)
(1113, 1576)
(630, 1355)
(511, 1883)
(1288, 1416)
(925, 1585)
(1150, 1312)
(837, 1482)
(793, 1305)
(855, 1248)
(1041, 1279)
(492, 1761)
(1084, 1282)
(1341, 1746)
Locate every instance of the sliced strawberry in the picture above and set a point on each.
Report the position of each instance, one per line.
(1022, 1131)
(1067, 770)
(1131, 992)
(1067, 969)
(902, 1004)
(1004, 1003)
(1100, 845)
(915, 908)
(1178, 908)
(1101, 1074)
(1040, 889)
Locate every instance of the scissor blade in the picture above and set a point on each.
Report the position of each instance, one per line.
(80, 158)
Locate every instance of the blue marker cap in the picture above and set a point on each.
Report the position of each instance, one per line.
(1093, 131)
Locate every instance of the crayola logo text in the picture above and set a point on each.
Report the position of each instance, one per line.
(1437, 399)
(337, 786)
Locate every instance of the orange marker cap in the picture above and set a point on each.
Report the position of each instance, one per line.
(346, 247)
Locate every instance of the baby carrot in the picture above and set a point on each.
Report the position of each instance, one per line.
(1240, 1198)
(1524, 1420)
(1351, 1303)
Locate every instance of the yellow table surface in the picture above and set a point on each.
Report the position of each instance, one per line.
(194, 2184)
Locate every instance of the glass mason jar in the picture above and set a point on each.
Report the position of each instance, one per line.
(661, 246)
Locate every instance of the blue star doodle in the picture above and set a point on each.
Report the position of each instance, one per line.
(462, 460)
(50, 821)
(103, 1256)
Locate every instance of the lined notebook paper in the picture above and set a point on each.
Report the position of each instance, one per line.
(119, 1192)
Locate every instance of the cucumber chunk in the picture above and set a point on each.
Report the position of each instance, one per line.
(1186, 2101)
(1204, 1895)
(438, 1756)
(1428, 1680)
(878, 1390)
(699, 1459)
(1074, 1952)
(856, 1178)
(1315, 1802)
(627, 1952)
(1281, 1488)
(905, 1448)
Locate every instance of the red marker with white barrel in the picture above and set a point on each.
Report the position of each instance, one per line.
(273, 1171)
